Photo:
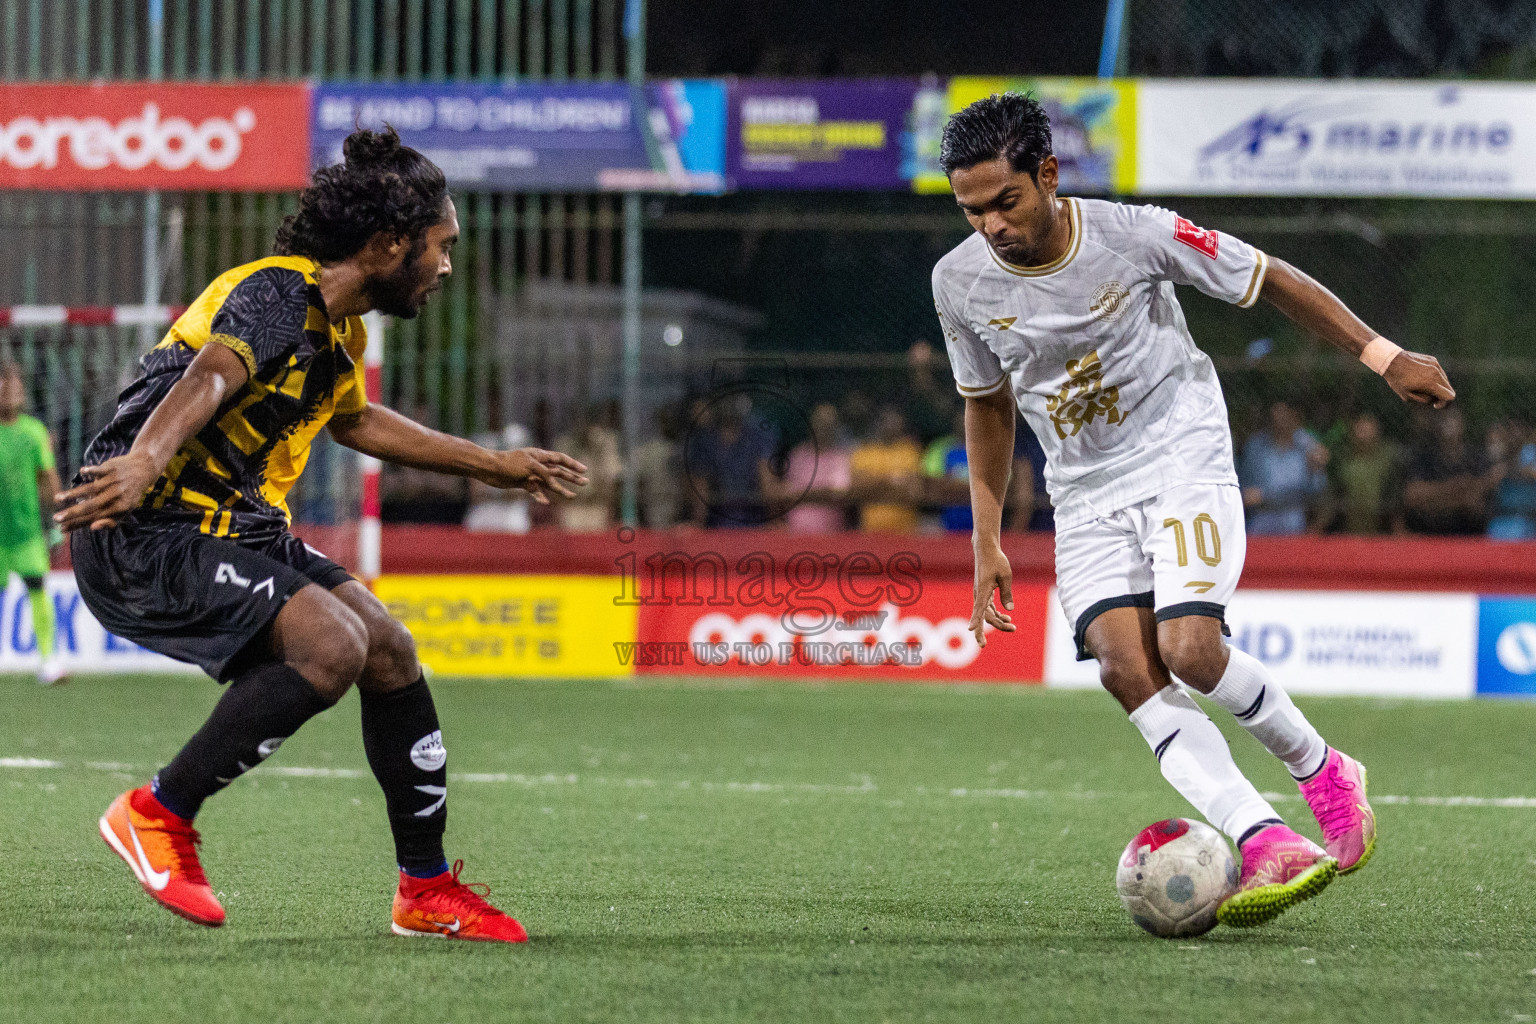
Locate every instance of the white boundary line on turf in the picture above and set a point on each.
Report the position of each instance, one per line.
(867, 786)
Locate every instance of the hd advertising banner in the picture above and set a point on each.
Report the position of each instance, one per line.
(847, 134)
(579, 136)
(1331, 642)
(1259, 137)
(1093, 129)
(166, 135)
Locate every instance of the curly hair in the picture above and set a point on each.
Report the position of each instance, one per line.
(380, 186)
(1011, 125)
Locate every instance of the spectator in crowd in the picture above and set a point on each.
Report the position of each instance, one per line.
(727, 455)
(857, 413)
(948, 473)
(595, 444)
(931, 398)
(1281, 472)
(659, 472)
(1448, 478)
(887, 475)
(815, 485)
(1368, 480)
(1512, 454)
(418, 496)
(491, 509)
(1028, 507)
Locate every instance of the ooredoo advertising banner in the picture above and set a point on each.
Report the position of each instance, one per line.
(809, 134)
(168, 135)
(881, 626)
(1331, 642)
(669, 136)
(1449, 139)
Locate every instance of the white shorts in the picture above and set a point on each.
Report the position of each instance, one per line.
(1179, 552)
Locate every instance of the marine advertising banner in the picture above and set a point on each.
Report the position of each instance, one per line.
(79, 640)
(845, 134)
(577, 136)
(1297, 137)
(1093, 129)
(251, 137)
(1330, 642)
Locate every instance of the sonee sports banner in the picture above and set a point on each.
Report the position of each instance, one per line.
(167, 135)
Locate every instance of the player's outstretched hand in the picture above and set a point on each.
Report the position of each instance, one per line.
(1418, 378)
(107, 493)
(538, 472)
(993, 576)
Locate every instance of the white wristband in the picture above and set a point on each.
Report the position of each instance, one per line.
(1379, 353)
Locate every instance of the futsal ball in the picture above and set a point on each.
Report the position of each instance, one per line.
(1174, 875)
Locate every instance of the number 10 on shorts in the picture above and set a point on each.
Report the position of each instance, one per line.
(1207, 539)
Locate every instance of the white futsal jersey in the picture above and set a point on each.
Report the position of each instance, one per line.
(1096, 351)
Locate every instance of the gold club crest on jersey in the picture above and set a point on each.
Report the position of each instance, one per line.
(1083, 397)
(1109, 301)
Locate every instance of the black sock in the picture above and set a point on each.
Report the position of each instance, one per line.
(262, 707)
(1256, 829)
(405, 751)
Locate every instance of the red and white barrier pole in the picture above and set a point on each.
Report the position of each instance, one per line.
(369, 527)
(88, 316)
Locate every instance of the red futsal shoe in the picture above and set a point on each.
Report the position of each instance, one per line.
(445, 908)
(161, 849)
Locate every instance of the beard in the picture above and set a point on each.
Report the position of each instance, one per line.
(1021, 253)
(399, 293)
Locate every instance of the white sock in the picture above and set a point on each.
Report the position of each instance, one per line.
(1195, 759)
(1262, 706)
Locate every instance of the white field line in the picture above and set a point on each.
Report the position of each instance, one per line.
(865, 787)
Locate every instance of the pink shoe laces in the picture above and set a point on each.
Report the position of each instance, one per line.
(1334, 798)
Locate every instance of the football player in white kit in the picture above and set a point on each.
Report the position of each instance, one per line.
(1066, 309)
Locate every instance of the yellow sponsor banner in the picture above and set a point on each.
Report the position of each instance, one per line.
(1093, 128)
(551, 626)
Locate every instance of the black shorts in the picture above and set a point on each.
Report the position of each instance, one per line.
(193, 597)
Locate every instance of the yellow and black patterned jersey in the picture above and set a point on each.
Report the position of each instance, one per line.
(232, 479)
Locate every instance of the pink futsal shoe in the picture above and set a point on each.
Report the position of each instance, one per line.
(1280, 869)
(1336, 795)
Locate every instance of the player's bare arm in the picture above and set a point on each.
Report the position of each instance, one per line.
(386, 435)
(116, 486)
(989, 423)
(1414, 376)
(48, 487)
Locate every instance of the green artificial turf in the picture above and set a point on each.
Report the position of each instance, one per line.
(771, 852)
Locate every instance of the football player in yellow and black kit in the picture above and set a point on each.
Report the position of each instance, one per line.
(180, 529)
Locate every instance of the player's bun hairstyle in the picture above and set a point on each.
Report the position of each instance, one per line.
(1011, 125)
(381, 186)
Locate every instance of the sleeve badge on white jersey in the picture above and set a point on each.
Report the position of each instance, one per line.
(1197, 238)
